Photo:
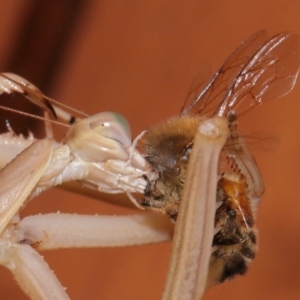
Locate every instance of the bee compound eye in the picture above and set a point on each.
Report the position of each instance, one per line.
(112, 126)
(231, 212)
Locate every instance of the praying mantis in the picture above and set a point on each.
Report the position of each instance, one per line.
(39, 160)
(98, 152)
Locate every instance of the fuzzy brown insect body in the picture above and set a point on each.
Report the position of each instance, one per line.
(167, 149)
(256, 71)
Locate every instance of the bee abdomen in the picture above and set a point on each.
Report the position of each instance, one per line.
(222, 240)
(234, 266)
(232, 255)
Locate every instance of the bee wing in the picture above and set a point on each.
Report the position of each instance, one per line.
(255, 72)
(211, 92)
(257, 142)
(11, 83)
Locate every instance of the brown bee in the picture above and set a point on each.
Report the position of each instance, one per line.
(258, 70)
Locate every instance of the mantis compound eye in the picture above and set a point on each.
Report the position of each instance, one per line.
(112, 126)
(100, 137)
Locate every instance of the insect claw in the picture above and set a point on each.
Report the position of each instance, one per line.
(134, 201)
(134, 156)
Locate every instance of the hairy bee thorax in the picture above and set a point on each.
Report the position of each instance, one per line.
(164, 144)
(166, 147)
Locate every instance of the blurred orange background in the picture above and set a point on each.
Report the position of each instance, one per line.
(139, 58)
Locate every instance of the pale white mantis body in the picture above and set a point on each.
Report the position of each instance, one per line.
(45, 163)
(121, 171)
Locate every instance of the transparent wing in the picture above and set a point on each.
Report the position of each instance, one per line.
(257, 71)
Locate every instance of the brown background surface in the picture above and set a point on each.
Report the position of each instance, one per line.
(139, 58)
